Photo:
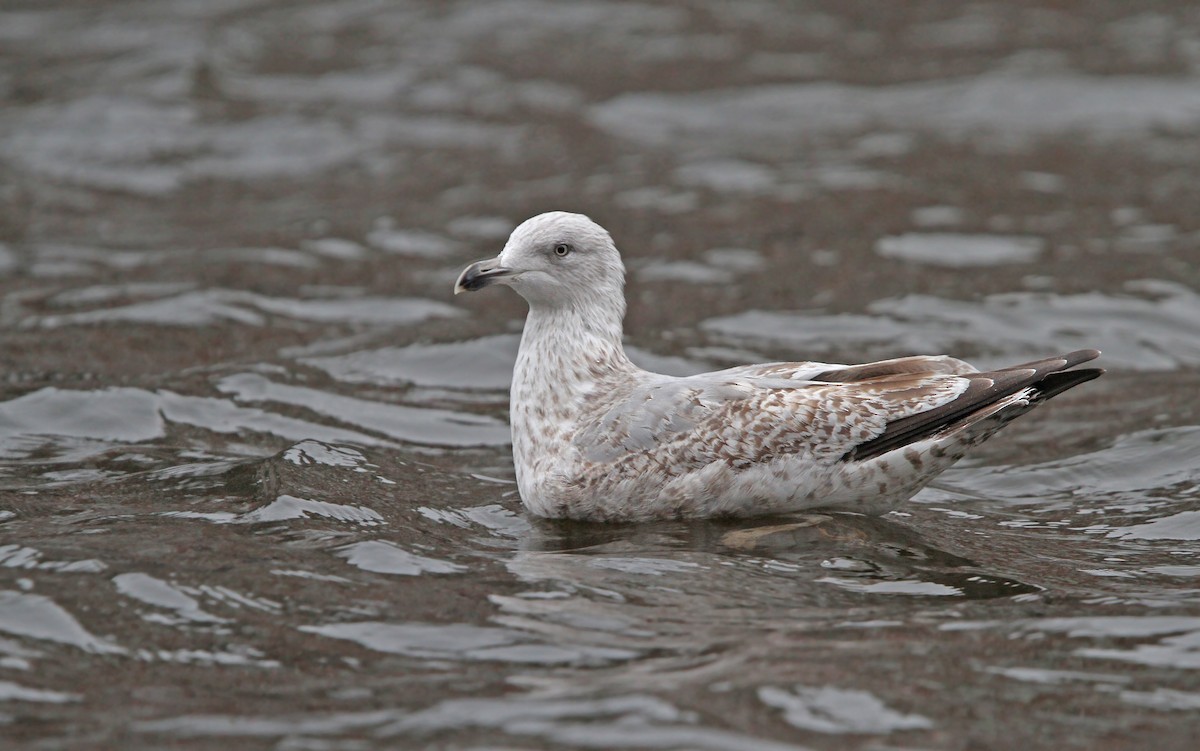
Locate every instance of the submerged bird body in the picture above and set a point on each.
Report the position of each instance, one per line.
(597, 438)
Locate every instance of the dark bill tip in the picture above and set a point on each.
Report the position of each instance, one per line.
(480, 274)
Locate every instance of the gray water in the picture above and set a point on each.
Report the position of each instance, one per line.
(255, 488)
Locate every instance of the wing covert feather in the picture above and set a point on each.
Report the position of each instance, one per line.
(742, 416)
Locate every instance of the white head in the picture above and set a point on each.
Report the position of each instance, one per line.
(555, 260)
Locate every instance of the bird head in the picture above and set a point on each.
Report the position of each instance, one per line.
(553, 260)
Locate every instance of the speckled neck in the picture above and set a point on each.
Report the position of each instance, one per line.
(568, 355)
(565, 351)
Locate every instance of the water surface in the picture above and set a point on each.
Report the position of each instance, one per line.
(255, 487)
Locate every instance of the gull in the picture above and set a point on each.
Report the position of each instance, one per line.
(596, 438)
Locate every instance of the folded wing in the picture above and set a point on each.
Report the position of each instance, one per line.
(744, 416)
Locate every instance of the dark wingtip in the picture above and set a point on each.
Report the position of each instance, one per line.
(1057, 363)
(1045, 378)
(1056, 383)
(1080, 356)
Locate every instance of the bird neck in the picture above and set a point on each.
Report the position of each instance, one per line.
(566, 351)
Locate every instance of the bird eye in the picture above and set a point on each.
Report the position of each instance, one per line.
(561, 249)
